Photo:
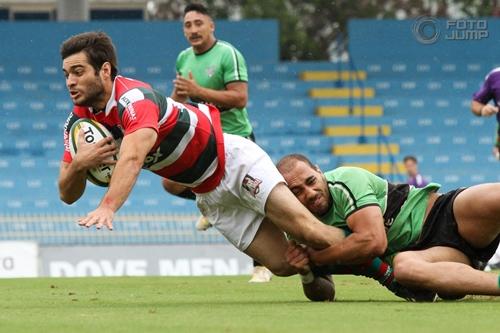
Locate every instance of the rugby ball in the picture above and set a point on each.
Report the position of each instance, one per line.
(93, 132)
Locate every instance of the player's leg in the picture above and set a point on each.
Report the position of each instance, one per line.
(285, 211)
(477, 213)
(444, 270)
(255, 180)
(253, 194)
(268, 248)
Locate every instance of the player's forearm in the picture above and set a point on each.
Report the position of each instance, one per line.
(476, 108)
(124, 177)
(355, 249)
(72, 180)
(223, 98)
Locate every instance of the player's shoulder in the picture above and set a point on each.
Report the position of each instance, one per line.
(185, 53)
(352, 178)
(125, 85)
(80, 111)
(226, 47)
(347, 174)
(494, 73)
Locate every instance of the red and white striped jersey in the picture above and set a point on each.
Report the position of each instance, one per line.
(190, 146)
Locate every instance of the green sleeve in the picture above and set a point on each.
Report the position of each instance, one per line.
(234, 65)
(178, 62)
(354, 191)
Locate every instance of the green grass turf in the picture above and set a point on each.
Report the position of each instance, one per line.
(226, 304)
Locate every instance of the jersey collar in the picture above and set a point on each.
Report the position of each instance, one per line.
(210, 48)
(112, 101)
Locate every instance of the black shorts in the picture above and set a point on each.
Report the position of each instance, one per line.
(251, 137)
(440, 229)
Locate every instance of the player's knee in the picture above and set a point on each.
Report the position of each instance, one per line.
(406, 268)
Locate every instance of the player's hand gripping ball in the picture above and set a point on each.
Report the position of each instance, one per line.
(93, 132)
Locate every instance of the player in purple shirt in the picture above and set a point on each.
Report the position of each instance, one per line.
(490, 90)
(414, 177)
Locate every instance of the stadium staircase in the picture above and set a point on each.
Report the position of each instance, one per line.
(359, 131)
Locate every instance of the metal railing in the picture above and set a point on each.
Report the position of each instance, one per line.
(381, 138)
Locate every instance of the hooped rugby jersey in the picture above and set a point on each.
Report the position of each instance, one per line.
(189, 148)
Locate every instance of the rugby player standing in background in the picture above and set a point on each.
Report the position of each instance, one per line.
(490, 90)
(213, 71)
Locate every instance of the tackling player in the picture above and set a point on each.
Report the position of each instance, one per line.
(480, 106)
(431, 239)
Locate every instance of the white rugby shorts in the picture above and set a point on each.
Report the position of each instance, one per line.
(236, 206)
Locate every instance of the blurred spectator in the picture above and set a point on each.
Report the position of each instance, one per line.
(414, 177)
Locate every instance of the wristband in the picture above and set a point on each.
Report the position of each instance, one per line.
(308, 278)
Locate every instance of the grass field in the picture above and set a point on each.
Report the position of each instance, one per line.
(226, 304)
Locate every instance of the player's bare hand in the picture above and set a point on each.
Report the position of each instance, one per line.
(186, 86)
(178, 95)
(321, 257)
(297, 257)
(496, 153)
(488, 110)
(101, 217)
(91, 155)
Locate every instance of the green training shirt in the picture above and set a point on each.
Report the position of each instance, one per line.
(214, 69)
(353, 188)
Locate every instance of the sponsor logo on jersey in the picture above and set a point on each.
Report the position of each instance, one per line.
(128, 99)
(153, 157)
(210, 71)
(252, 185)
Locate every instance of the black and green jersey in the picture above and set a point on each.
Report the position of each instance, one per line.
(214, 69)
(354, 188)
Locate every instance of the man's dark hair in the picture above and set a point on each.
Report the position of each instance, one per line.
(98, 47)
(196, 7)
(289, 161)
(410, 158)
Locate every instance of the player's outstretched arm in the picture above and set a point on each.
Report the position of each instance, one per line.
(73, 176)
(367, 241)
(133, 151)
